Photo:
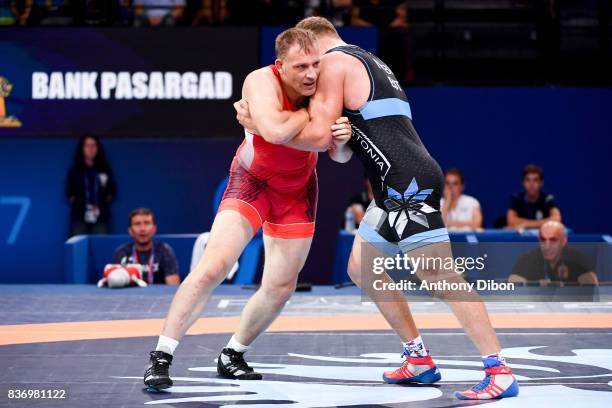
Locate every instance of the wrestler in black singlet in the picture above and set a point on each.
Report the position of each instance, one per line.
(406, 181)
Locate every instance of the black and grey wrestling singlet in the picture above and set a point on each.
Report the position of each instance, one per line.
(406, 181)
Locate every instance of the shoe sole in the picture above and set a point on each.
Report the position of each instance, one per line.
(428, 377)
(158, 387)
(223, 373)
(511, 391)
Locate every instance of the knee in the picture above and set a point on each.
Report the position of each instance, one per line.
(281, 293)
(438, 281)
(210, 273)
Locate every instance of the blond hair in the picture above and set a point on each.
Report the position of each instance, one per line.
(318, 25)
(303, 38)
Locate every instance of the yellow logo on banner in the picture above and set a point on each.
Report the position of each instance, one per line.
(5, 90)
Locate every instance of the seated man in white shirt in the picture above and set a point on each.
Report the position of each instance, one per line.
(460, 211)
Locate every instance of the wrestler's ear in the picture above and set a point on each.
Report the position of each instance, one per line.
(279, 64)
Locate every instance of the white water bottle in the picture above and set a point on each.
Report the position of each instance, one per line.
(349, 220)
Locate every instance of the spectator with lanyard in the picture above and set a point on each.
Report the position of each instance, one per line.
(90, 188)
(156, 257)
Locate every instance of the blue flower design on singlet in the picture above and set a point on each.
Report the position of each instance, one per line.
(408, 206)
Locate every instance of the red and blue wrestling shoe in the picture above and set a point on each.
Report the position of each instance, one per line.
(420, 370)
(499, 382)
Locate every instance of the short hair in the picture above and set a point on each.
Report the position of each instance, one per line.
(140, 211)
(318, 25)
(533, 169)
(457, 173)
(554, 224)
(303, 38)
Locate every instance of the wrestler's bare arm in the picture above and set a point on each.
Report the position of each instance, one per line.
(324, 107)
(269, 120)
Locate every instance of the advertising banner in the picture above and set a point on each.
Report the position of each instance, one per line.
(121, 82)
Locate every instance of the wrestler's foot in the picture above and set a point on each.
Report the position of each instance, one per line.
(157, 374)
(231, 364)
(498, 383)
(421, 370)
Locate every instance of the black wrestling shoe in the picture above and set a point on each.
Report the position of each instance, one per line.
(157, 376)
(231, 364)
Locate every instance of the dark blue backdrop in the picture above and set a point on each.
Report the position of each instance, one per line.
(490, 133)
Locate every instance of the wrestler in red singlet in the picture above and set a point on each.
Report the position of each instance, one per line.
(273, 185)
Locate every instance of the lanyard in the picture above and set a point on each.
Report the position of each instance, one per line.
(150, 271)
(88, 199)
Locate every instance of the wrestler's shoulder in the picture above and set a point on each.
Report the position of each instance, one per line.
(336, 55)
(263, 73)
(337, 62)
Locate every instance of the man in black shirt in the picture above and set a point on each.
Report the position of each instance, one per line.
(156, 257)
(553, 261)
(532, 207)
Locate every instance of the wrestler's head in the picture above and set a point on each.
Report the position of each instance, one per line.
(323, 30)
(319, 26)
(297, 60)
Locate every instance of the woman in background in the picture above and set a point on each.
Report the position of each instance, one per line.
(90, 188)
(459, 211)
